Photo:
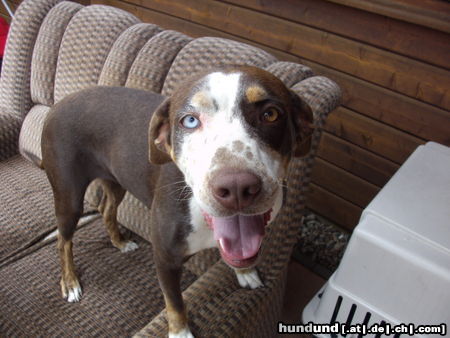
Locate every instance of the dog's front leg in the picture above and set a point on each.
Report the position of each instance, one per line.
(169, 280)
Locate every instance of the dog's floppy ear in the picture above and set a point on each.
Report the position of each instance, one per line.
(159, 135)
(303, 125)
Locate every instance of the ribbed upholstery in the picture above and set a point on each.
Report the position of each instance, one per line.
(26, 208)
(288, 72)
(121, 292)
(86, 43)
(10, 124)
(124, 52)
(15, 93)
(205, 53)
(154, 60)
(135, 215)
(46, 51)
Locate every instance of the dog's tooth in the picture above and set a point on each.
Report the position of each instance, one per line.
(221, 243)
(241, 280)
(255, 282)
(249, 279)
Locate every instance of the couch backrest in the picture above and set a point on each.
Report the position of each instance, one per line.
(70, 47)
(46, 51)
(15, 91)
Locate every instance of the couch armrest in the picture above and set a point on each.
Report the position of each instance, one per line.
(323, 96)
(219, 307)
(9, 134)
(15, 97)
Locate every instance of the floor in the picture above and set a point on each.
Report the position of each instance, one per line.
(302, 285)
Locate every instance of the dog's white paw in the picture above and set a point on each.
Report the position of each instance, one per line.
(129, 246)
(249, 278)
(185, 333)
(74, 294)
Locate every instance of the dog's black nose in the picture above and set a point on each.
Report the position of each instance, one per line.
(235, 190)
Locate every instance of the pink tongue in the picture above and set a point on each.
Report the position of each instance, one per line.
(239, 236)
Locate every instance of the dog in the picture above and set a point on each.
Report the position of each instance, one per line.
(209, 162)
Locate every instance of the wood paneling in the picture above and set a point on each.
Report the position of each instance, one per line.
(404, 38)
(372, 135)
(430, 13)
(412, 116)
(356, 160)
(333, 207)
(426, 83)
(343, 184)
(391, 64)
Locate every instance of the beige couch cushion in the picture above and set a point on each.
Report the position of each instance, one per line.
(149, 69)
(207, 52)
(46, 51)
(15, 93)
(85, 46)
(124, 51)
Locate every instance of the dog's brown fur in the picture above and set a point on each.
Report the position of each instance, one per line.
(110, 134)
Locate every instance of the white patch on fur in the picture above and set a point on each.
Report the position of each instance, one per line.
(220, 129)
(185, 333)
(129, 246)
(224, 89)
(248, 278)
(74, 295)
(201, 237)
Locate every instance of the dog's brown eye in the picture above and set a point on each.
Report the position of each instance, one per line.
(270, 115)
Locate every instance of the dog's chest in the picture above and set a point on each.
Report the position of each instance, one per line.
(201, 237)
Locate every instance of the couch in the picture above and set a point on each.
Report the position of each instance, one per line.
(55, 48)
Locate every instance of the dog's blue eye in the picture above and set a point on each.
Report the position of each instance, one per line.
(190, 122)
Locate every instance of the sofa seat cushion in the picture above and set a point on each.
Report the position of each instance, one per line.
(9, 134)
(26, 205)
(120, 290)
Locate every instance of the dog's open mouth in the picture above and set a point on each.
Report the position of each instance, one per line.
(239, 237)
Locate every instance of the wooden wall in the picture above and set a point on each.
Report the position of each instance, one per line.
(391, 58)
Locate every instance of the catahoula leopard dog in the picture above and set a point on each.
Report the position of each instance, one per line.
(209, 162)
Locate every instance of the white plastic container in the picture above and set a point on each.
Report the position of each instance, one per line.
(396, 268)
